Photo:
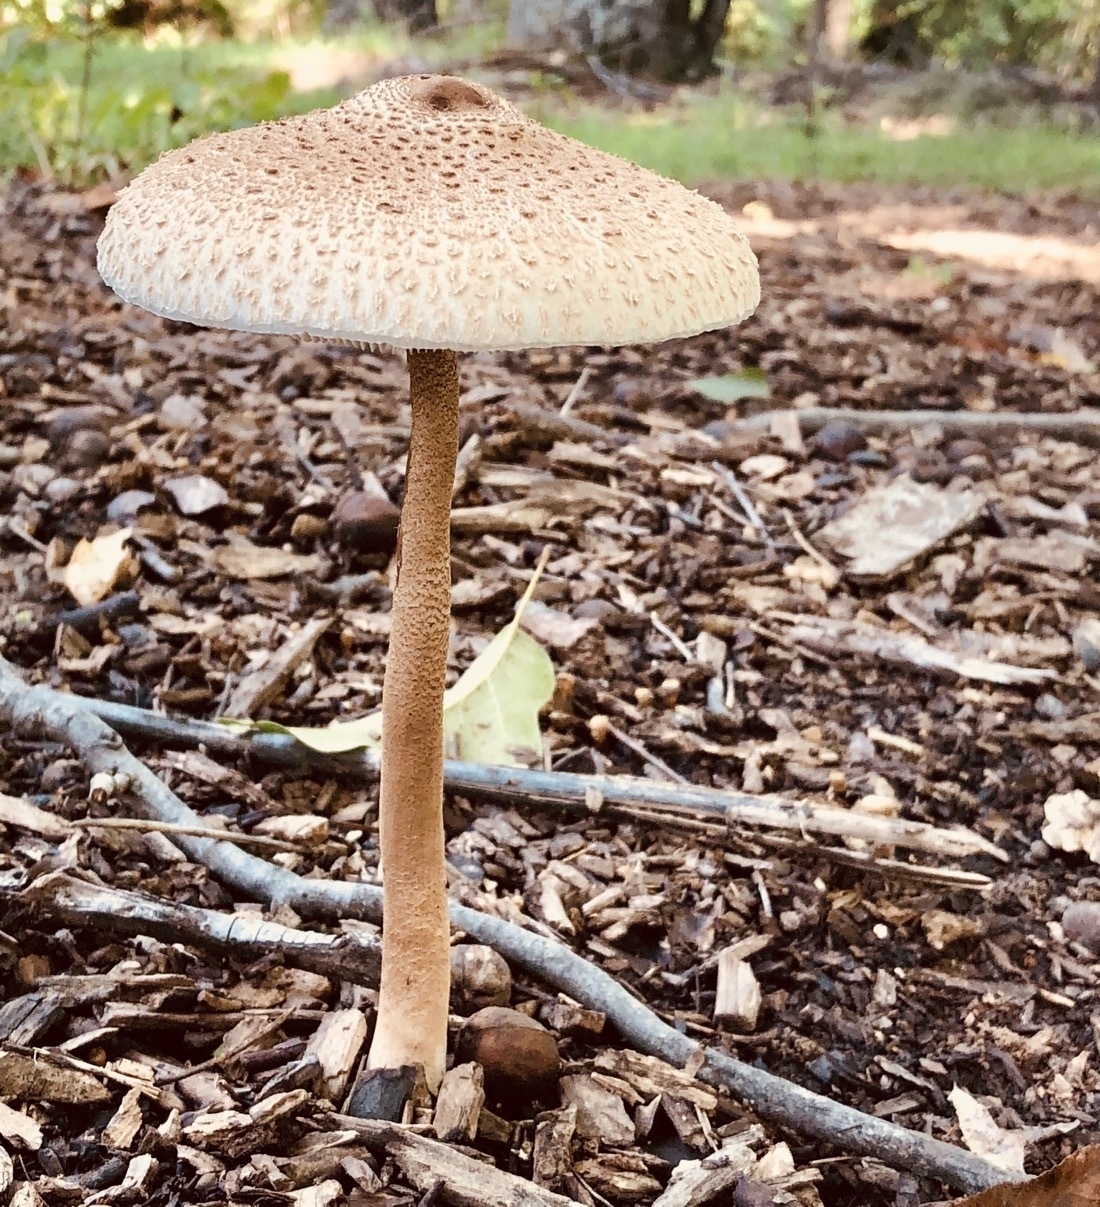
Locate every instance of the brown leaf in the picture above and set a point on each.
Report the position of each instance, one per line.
(1073, 1183)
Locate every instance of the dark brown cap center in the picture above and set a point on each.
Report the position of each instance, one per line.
(446, 94)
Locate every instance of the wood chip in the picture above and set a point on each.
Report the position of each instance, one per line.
(336, 1044)
(599, 1113)
(458, 1105)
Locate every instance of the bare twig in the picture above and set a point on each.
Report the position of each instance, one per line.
(1081, 426)
(809, 549)
(678, 643)
(787, 643)
(74, 902)
(841, 637)
(575, 392)
(744, 502)
(107, 611)
(539, 423)
(564, 790)
(658, 764)
(145, 825)
(36, 712)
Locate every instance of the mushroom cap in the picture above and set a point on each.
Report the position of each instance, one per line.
(425, 212)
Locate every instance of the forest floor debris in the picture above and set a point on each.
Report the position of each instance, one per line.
(715, 628)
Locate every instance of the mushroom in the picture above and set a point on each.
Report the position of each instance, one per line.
(426, 213)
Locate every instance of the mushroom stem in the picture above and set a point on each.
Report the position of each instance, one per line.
(411, 1026)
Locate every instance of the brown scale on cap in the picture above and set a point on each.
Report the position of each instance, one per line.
(425, 212)
(429, 214)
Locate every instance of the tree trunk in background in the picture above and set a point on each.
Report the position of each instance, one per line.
(417, 15)
(894, 36)
(829, 25)
(575, 25)
(641, 37)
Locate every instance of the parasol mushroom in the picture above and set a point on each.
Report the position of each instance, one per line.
(429, 214)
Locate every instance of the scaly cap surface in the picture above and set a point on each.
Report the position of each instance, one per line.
(425, 212)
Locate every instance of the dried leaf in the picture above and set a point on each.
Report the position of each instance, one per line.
(983, 1136)
(1065, 353)
(96, 566)
(1075, 1182)
(491, 715)
(749, 383)
(19, 1129)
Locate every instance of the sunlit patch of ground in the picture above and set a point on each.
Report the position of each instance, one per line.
(1045, 256)
(942, 231)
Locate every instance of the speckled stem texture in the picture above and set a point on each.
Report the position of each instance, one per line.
(412, 1000)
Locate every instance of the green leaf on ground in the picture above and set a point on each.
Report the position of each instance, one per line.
(491, 715)
(749, 383)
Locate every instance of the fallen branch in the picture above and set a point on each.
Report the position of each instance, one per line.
(145, 826)
(1080, 426)
(37, 712)
(564, 790)
(74, 902)
(847, 636)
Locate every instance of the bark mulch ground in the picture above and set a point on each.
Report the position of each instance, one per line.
(896, 617)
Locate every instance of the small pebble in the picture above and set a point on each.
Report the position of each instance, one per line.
(927, 465)
(480, 977)
(79, 437)
(1081, 923)
(839, 439)
(32, 479)
(630, 392)
(181, 412)
(61, 490)
(596, 609)
(126, 505)
(959, 450)
(1049, 707)
(1086, 643)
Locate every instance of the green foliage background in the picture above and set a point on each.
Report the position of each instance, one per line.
(82, 99)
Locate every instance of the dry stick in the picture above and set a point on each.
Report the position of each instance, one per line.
(658, 764)
(561, 789)
(1081, 426)
(473, 779)
(894, 869)
(76, 902)
(145, 825)
(36, 712)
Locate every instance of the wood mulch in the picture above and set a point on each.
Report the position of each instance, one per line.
(897, 618)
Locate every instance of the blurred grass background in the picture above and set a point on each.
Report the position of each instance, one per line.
(95, 90)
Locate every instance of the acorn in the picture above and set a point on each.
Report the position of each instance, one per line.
(838, 439)
(365, 523)
(518, 1055)
(79, 437)
(480, 977)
